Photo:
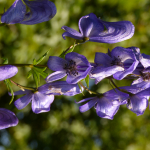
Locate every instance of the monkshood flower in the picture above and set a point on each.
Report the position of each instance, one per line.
(75, 66)
(39, 11)
(96, 30)
(7, 72)
(106, 105)
(120, 62)
(43, 97)
(7, 118)
(143, 81)
(137, 101)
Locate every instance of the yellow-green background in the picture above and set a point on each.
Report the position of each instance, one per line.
(64, 127)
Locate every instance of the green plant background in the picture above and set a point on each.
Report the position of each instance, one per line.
(64, 127)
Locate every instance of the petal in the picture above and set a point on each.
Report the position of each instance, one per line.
(7, 72)
(55, 76)
(60, 88)
(15, 14)
(100, 74)
(73, 79)
(123, 54)
(20, 92)
(7, 118)
(40, 11)
(56, 63)
(41, 102)
(71, 33)
(145, 60)
(90, 25)
(137, 104)
(77, 58)
(23, 101)
(102, 59)
(116, 32)
(88, 105)
(120, 75)
(105, 109)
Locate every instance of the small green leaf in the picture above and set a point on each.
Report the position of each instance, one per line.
(8, 84)
(40, 59)
(87, 81)
(29, 74)
(62, 55)
(81, 89)
(5, 60)
(36, 77)
(40, 71)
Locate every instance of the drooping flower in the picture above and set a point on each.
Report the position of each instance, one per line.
(96, 30)
(7, 118)
(106, 105)
(43, 97)
(7, 72)
(75, 66)
(137, 101)
(39, 11)
(120, 62)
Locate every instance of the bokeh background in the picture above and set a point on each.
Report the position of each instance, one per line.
(64, 127)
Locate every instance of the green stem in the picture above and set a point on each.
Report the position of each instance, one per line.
(23, 65)
(122, 90)
(23, 87)
(91, 92)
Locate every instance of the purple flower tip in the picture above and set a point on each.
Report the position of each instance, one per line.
(7, 118)
(96, 30)
(39, 11)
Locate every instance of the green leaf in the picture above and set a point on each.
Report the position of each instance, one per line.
(40, 59)
(81, 89)
(87, 81)
(29, 74)
(5, 60)
(36, 77)
(8, 84)
(40, 71)
(62, 55)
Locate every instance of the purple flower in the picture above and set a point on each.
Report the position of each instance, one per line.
(96, 30)
(7, 71)
(43, 97)
(7, 118)
(39, 11)
(120, 62)
(106, 105)
(137, 100)
(75, 66)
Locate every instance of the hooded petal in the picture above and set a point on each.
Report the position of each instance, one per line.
(77, 58)
(7, 72)
(40, 11)
(7, 118)
(60, 88)
(23, 101)
(137, 104)
(71, 33)
(102, 59)
(15, 14)
(145, 60)
(41, 103)
(56, 63)
(89, 25)
(115, 32)
(55, 76)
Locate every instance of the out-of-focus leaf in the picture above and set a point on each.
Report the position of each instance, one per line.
(5, 60)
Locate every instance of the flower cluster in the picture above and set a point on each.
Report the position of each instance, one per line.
(120, 63)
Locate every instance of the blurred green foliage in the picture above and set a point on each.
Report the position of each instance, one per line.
(64, 127)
